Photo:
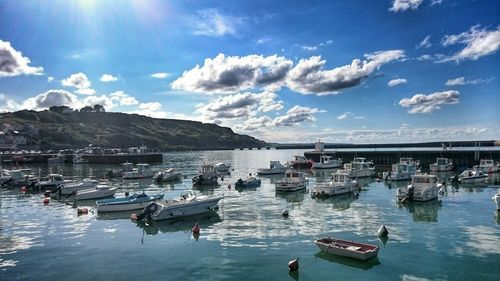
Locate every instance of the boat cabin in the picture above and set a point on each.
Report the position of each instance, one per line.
(205, 169)
(275, 164)
(443, 161)
(360, 160)
(293, 175)
(423, 180)
(340, 177)
(127, 167)
(487, 163)
(143, 168)
(325, 158)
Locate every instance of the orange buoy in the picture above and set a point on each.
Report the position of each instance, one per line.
(133, 217)
(83, 211)
(46, 201)
(196, 228)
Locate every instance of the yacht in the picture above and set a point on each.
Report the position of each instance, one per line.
(140, 172)
(327, 162)
(441, 165)
(488, 166)
(423, 187)
(402, 170)
(51, 182)
(21, 177)
(167, 175)
(359, 168)
(207, 176)
(74, 187)
(293, 181)
(222, 168)
(275, 167)
(341, 183)
(471, 176)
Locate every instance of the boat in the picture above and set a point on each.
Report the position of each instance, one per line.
(341, 183)
(188, 204)
(471, 176)
(74, 187)
(441, 165)
(300, 162)
(222, 168)
(327, 162)
(207, 176)
(346, 248)
(100, 191)
(248, 182)
(133, 202)
(16, 178)
(78, 159)
(275, 167)
(167, 175)
(496, 198)
(59, 158)
(140, 172)
(293, 181)
(359, 168)
(423, 187)
(51, 182)
(402, 170)
(118, 172)
(488, 166)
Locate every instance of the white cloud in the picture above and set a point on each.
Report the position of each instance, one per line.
(436, 2)
(263, 40)
(8, 105)
(421, 103)
(426, 43)
(52, 97)
(210, 22)
(108, 78)
(12, 62)
(296, 115)
(50, 79)
(256, 123)
(160, 75)
(344, 115)
(461, 81)
(403, 5)
(479, 43)
(151, 106)
(103, 100)
(309, 48)
(80, 82)
(123, 99)
(315, 47)
(395, 82)
(268, 102)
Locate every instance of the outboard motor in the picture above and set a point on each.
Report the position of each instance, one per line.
(148, 210)
(411, 190)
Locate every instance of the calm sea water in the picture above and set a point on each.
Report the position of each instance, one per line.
(455, 238)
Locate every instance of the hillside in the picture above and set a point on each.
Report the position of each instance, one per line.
(112, 129)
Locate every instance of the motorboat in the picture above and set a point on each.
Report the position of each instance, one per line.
(471, 176)
(248, 182)
(222, 168)
(100, 191)
(359, 168)
(78, 159)
(59, 158)
(300, 162)
(496, 198)
(346, 248)
(441, 165)
(488, 166)
(118, 172)
(341, 183)
(423, 187)
(140, 172)
(293, 181)
(207, 176)
(74, 187)
(51, 182)
(16, 178)
(275, 167)
(327, 162)
(402, 170)
(188, 204)
(167, 175)
(133, 202)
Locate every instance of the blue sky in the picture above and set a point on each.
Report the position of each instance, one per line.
(286, 71)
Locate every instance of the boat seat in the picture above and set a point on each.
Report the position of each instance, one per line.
(353, 248)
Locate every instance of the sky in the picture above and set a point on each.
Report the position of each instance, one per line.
(385, 71)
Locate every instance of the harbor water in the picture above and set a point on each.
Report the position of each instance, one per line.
(454, 238)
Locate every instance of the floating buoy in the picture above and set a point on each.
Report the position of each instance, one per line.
(228, 186)
(46, 201)
(24, 189)
(382, 231)
(293, 265)
(83, 211)
(196, 228)
(284, 213)
(133, 217)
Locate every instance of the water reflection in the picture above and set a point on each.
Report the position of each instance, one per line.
(443, 176)
(323, 174)
(364, 265)
(292, 197)
(339, 202)
(182, 224)
(423, 211)
(397, 184)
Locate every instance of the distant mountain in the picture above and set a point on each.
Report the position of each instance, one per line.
(51, 129)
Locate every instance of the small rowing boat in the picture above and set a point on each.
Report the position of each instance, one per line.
(346, 248)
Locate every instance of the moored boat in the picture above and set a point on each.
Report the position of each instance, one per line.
(496, 198)
(118, 172)
(300, 162)
(73, 187)
(275, 168)
(78, 159)
(441, 165)
(59, 158)
(488, 166)
(341, 183)
(133, 202)
(248, 182)
(471, 176)
(423, 187)
(51, 182)
(207, 176)
(346, 248)
(222, 168)
(100, 191)
(402, 170)
(141, 171)
(359, 168)
(293, 181)
(167, 175)
(327, 162)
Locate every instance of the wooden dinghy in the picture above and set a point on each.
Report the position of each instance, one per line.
(346, 248)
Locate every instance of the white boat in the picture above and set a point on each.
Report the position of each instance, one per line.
(207, 176)
(488, 166)
(129, 203)
(222, 168)
(167, 175)
(293, 181)
(346, 248)
(300, 162)
(472, 177)
(118, 172)
(496, 198)
(327, 162)
(21, 177)
(423, 187)
(73, 187)
(78, 159)
(359, 168)
(341, 183)
(59, 158)
(100, 191)
(51, 182)
(140, 172)
(441, 165)
(402, 170)
(275, 168)
(188, 204)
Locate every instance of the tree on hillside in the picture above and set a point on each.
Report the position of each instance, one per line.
(99, 108)
(87, 109)
(60, 109)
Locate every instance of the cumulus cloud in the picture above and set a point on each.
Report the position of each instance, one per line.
(8, 105)
(308, 76)
(461, 81)
(80, 82)
(395, 82)
(403, 5)
(256, 123)
(160, 75)
(210, 22)
(108, 78)
(12, 62)
(426, 43)
(103, 100)
(421, 103)
(478, 43)
(123, 99)
(296, 115)
(52, 97)
(229, 74)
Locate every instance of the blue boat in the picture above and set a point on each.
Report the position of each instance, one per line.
(249, 182)
(134, 202)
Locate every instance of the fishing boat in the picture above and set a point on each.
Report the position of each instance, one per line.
(167, 175)
(423, 187)
(441, 165)
(488, 166)
(78, 159)
(275, 168)
(346, 248)
(293, 181)
(359, 168)
(300, 162)
(59, 158)
(207, 176)
(133, 202)
(496, 198)
(341, 183)
(471, 176)
(248, 182)
(16, 178)
(188, 204)
(73, 187)
(402, 170)
(327, 162)
(140, 172)
(51, 182)
(118, 172)
(100, 191)
(222, 168)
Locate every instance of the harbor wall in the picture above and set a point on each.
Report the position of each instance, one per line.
(149, 158)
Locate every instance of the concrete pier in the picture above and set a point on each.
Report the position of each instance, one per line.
(150, 158)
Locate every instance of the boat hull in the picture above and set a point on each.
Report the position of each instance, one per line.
(327, 190)
(290, 186)
(473, 180)
(186, 209)
(389, 176)
(271, 171)
(95, 193)
(126, 205)
(349, 249)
